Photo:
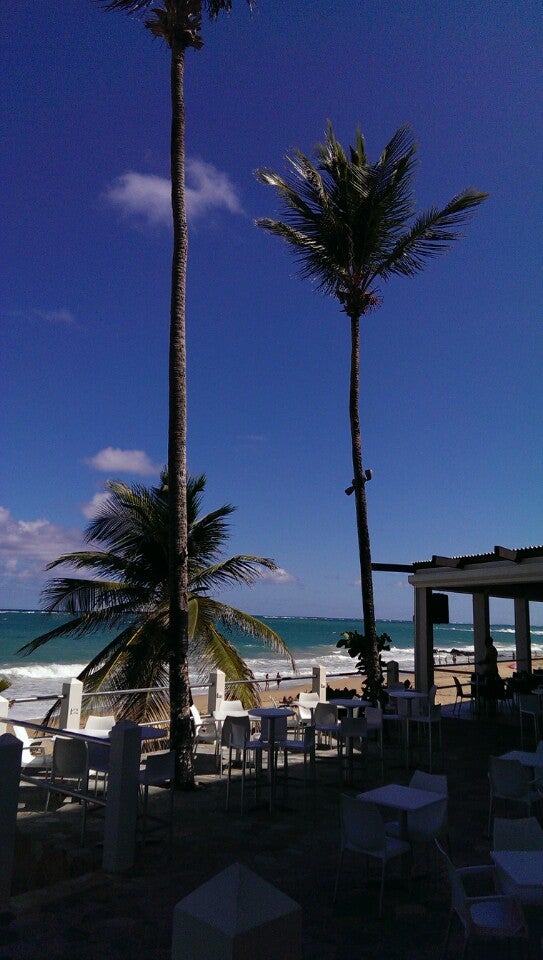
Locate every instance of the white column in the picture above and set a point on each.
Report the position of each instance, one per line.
(70, 705)
(424, 639)
(122, 797)
(523, 640)
(10, 774)
(4, 707)
(318, 683)
(215, 694)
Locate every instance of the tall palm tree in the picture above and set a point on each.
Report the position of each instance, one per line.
(127, 591)
(352, 224)
(179, 24)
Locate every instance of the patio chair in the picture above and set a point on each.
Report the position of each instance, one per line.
(205, 730)
(33, 755)
(529, 706)
(69, 773)
(326, 722)
(239, 739)
(304, 746)
(510, 780)
(159, 771)
(353, 729)
(428, 720)
(363, 831)
(374, 721)
(461, 695)
(524, 833)
(431, 823)
(100, 723)
(484, 917)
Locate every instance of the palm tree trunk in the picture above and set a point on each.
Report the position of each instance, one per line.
(180, 731)
(359, 483)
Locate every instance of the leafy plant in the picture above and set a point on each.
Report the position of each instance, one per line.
(369, 663)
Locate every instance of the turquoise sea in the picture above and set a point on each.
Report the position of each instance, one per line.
(310, 640)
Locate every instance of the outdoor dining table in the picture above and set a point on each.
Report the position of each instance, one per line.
(350, 703)
(528, 758)
(403, 799)
(271, 714)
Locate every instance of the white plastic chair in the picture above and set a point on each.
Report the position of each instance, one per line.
(33, 754)
(510, 780)
(428, 717)
(353, 729)
(326, 721)
(239, 733)
(205, 730)
(363, 831)
(100, 723)
(494, 917)
(529, 706)
(69, 772)
(159, 771)
(461, 695)
(524, 833)
(304, 746)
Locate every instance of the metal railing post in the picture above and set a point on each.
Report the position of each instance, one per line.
(215, 694)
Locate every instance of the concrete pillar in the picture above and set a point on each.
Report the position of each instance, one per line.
(481, 625)
(393, 673)
(70, 705)
(424, 639)
(237, 916)
(4, 707)
(215, 693)
(523, 640)
(122, 797)
(10, 774)
(318, 683)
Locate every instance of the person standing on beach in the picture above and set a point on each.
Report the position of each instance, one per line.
(493, 682)
(267, 682)
(278, 679)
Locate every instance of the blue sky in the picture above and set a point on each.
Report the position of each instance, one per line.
(451, 399)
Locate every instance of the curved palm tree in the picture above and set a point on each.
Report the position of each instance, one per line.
(127, 591)
(179, 24)
(352, 224)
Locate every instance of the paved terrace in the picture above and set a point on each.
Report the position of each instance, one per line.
(93, 914)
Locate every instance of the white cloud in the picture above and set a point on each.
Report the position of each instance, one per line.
(146, 196)
(278, 576)
(55, 316)
(114, 460)
(26, 546)
(91, 508)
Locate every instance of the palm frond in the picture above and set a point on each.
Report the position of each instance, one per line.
(238, 569)
(433, 232)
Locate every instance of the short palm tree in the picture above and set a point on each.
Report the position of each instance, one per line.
(128, 594)
(352, 224)
(179, 24)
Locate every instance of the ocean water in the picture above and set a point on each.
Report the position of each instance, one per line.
(309, 639)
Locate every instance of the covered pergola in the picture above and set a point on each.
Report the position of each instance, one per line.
(515, 575)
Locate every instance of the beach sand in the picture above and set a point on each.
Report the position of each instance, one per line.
(446, 691)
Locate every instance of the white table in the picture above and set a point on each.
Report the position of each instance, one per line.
(403, 799)
(271, 714)
(350, 703)
(528, 758)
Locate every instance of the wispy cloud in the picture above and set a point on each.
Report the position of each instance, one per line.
(26, 546)
(55, 316)
(148, 197)
(115, 460)
(91, 508)
(278, 576)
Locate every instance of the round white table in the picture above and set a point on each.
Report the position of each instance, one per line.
(271, 714)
